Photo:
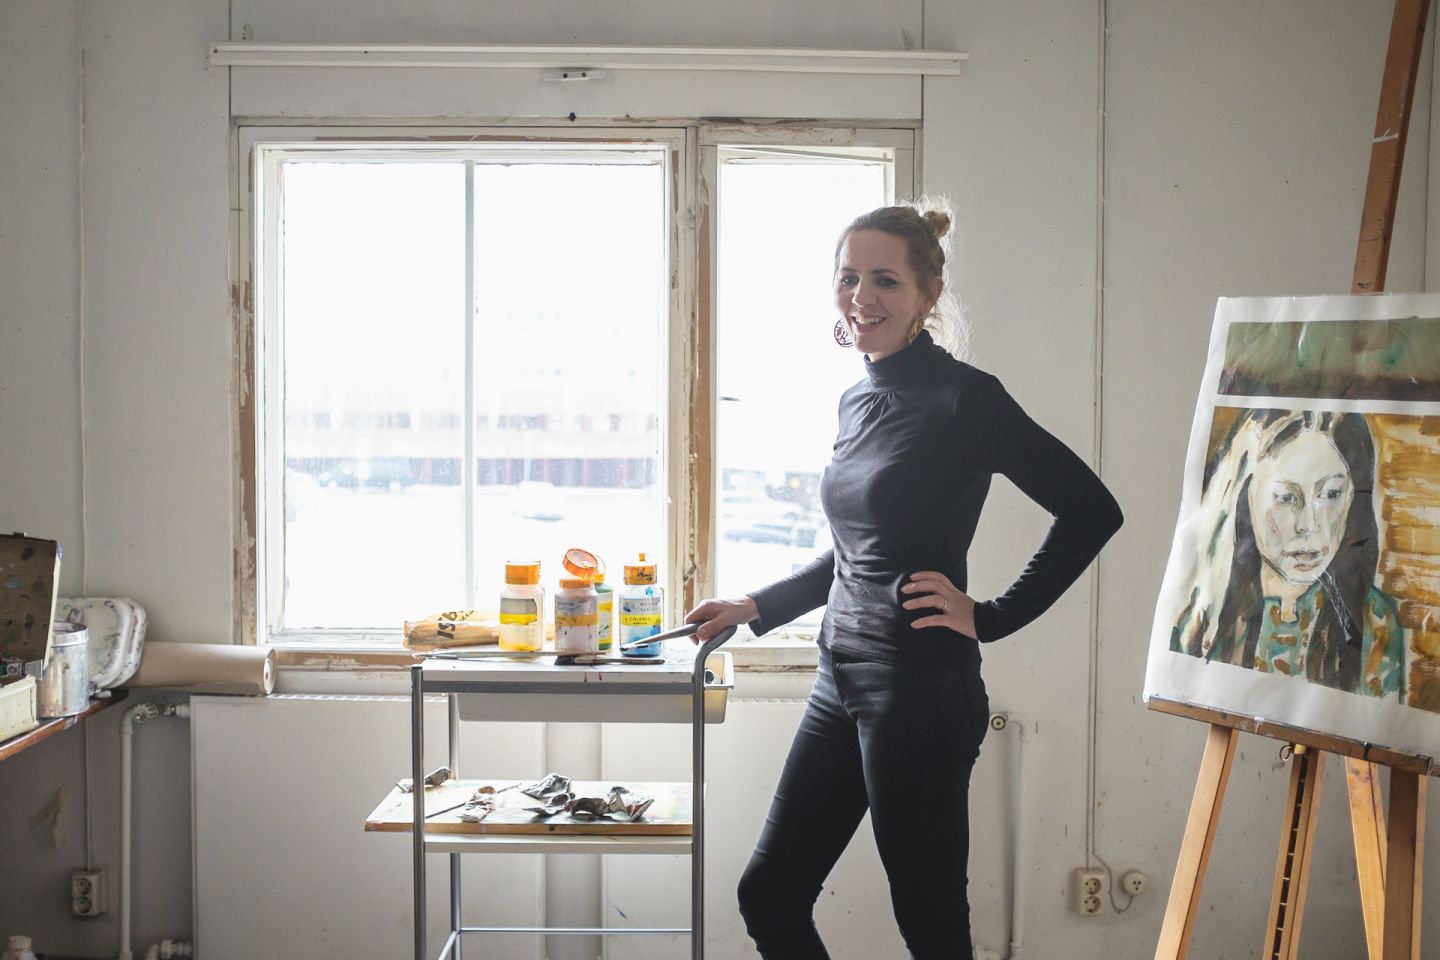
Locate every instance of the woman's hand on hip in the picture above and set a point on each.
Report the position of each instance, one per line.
(715, 615)
(953, 606)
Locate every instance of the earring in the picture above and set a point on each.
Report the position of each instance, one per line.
(842, 333)
(916, 326)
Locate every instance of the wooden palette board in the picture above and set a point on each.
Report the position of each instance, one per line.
(669, 815)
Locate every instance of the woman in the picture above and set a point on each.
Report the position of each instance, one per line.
(898, 709)
(1291, 548)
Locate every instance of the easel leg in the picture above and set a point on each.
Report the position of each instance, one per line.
(1403, 866)
(1199, 838)
(1292, 867)
(1367, 822)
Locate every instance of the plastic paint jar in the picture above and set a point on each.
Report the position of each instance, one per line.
(577, 617)
(522, 607)
(605, 602)
(18, 948)
(642, 607)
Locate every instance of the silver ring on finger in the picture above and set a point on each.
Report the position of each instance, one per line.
(944, 606)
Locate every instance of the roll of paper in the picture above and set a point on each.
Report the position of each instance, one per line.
(206, 668)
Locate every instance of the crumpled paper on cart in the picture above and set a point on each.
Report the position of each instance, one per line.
(555, 793)
(482, 804)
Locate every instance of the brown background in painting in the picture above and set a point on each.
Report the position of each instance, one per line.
(1407, 480)
(1408, 449)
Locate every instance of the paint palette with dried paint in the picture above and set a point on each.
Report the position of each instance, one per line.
(117, 633)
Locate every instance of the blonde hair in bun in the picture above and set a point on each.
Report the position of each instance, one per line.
(924, 223)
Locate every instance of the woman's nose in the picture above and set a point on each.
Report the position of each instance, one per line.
(863, 295)
(1308, 520)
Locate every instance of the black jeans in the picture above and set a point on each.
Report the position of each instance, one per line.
(899, 740)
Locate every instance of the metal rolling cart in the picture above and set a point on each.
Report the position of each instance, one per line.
(499, 690)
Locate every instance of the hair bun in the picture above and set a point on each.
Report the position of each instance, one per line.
(938, 221)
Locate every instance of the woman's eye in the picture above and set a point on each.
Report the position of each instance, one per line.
(1336, 494)
(886, 282)
(1286, 496)
(847, 281)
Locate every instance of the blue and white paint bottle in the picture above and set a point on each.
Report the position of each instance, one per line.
(642, 608)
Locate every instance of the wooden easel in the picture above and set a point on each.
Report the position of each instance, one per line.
(1389, 862)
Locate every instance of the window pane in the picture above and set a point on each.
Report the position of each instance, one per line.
(372, 336)
(780, 372)
(571, 300)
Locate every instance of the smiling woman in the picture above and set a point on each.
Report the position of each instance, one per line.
(1292, 547)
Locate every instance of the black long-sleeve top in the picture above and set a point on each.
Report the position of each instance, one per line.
(919, 440)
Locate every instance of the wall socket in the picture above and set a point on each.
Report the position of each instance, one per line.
(87, 892)
(1090, 894)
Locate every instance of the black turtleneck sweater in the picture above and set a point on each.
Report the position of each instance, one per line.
(919, 440)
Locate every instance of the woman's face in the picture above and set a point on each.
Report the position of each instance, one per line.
(877, 293)
(1299, 499)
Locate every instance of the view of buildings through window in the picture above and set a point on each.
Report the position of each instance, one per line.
(570, 281)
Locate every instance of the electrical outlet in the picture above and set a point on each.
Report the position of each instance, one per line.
(1134, 882)
(1091, 892)
(87, 893)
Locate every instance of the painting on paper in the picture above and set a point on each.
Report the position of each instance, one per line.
(1303, 585)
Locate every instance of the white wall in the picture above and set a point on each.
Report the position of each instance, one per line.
(1234, 151)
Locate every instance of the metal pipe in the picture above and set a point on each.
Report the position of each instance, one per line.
(697, 794)
(133, 717)
(452, 702)
(417, 774)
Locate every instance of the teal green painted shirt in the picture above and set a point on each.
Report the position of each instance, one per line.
(1281, 646)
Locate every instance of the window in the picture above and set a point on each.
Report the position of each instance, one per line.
(477, 345)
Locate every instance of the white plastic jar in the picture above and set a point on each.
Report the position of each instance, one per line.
(577, 617)
(18, 948)
(522, 607)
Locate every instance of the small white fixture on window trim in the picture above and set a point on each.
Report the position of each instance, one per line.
(773, 60)
(572, 74)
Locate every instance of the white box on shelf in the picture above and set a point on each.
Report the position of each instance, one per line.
(17, 708)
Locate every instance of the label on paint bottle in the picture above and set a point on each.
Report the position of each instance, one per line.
(640, 617)
(521, 611)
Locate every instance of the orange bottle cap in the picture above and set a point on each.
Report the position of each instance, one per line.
(573, 583)
(522, 571)
(640, 571)
(582, 563)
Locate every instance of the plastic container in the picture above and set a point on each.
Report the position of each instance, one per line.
(18, 948)
(64, 688)
(577, 617)
(642, 608)
(605, 601)
(522, 607)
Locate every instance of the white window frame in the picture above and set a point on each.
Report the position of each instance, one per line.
(688, 436)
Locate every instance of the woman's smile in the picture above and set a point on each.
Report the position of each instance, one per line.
(877, 292)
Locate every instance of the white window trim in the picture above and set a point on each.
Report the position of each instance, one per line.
(689, 471)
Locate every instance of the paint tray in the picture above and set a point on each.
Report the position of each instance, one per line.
(117, 633)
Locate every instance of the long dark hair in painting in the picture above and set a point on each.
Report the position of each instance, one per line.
(1288, 502)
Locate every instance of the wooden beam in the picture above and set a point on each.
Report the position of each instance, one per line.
(1387, 150)
(1367, 822)
(1292, 866)
(1340, 746)
(1403, 867)
(1195, 848)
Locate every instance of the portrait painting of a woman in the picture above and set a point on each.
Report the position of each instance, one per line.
(1284, 576)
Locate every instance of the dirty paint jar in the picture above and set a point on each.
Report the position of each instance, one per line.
(641, 604)
(522, 607)
(577, 617)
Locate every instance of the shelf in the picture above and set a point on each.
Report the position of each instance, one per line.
(55, 727)
(770, 60)
(540, 691)
(666, 827)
